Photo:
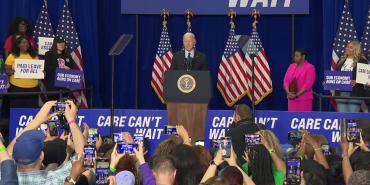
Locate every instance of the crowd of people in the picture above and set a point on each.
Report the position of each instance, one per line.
(37, 157)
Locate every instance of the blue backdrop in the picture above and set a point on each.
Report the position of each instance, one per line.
(99, 24)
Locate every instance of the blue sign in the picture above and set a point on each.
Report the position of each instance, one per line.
(3, 83)
(215, 7)
(338, 80)
(151, 123)
(69, 78)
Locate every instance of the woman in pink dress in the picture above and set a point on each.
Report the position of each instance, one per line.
(298, 82)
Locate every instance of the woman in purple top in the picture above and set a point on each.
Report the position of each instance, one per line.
(298, 82)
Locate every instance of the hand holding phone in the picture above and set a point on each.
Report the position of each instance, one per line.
(170, 130)
(226, 147)
(293, 173)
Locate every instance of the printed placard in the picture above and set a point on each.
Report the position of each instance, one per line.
(69, 78)
(338, 80)
(45, 44)
(29, 68)
(363, 73)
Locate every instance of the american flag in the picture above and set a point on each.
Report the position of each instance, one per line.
(232, 79)
(345, 34)
(67, 30)
(43, 28)
(366, 38)
(162, 63)
(262, 79)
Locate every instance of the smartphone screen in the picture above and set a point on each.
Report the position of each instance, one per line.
(89, 156)
(325, 149)
(293, 174)
(226, 147)
(294, 136)
(102, 171)
(126, 148)
(44, 128)
(352, 131)
(199, 143)
(252, 140)
(60, 106)
(117, 137)
(93, 136)
(138, 138)
(170, 130)
(53, 128)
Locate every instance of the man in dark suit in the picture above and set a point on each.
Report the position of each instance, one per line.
(189, 59)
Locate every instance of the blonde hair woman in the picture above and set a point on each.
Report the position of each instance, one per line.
(352, 56)
(272, 141)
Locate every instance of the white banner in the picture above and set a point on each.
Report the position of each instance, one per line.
(29, 68)
(45, 44)
(363, 73)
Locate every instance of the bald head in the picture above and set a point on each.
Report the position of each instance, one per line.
(189, 41)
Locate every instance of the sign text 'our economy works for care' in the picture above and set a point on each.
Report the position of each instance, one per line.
(215, 7)
(151, 123)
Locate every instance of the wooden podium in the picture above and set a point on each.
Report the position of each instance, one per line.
(187, 94)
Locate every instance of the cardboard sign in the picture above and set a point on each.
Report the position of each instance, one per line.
(363, 73)
(3, 82)
(69, 78)
(338, 80)
(45, 43)
(29, 68)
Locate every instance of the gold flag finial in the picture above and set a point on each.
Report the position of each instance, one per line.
(255, 15)
(165, 13)
(188, 14)
(232, 15)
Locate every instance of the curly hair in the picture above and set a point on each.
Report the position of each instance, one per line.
(13, 27)
(16, 51)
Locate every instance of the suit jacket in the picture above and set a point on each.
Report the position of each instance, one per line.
(359, 89)
(199, 62)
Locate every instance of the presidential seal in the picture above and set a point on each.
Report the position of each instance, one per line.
(186, 83)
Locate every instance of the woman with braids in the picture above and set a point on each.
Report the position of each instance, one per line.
(21, 50)
(19, 27)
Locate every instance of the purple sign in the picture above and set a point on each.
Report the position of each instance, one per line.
(215, 7)
(3, 82)
(338, 80)
(69, 78)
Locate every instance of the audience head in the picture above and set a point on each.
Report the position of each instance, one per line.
(359, 177)
(314, 173)
(216, 180)
(204, 156)
(232, 175)
(59, 45)
(20, 25)
(189, 170)
(360, 160)
(189, 41)
(27, 151)
(164, 169)
(22, 45)
(261, 165)
(166, 146)
(242, 112)
(55, 152)
(300, 55)
(125, 177)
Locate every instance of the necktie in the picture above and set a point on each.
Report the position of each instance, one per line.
(189, 56)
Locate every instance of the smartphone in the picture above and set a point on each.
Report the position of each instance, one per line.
(89, 156)
(53, 127)
(199, 143)
(60, 106)
(138, 138)
(93, 136)
(102, 171)
(325, 149)
(252, 140)
(170, 130)
(226, 147)
(126, 148)
(352, 131)
(293, 174)
(44, 128)
(117, 137)
(295, 136)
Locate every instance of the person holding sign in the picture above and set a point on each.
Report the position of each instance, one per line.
(19, 27)
(298, 82)
(57, 57)
(352, 56)
(21, 50)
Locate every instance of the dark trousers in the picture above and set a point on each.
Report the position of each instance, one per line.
(23, 101)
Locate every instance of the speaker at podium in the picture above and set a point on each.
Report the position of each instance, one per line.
(187, 94)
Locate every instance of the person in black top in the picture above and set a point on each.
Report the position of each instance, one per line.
(57, 57)
(352, 56)
(189, 59)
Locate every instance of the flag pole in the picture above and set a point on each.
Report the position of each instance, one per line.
(255, 15)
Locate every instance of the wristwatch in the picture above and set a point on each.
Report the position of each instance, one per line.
(70, 180)
(213, 163)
